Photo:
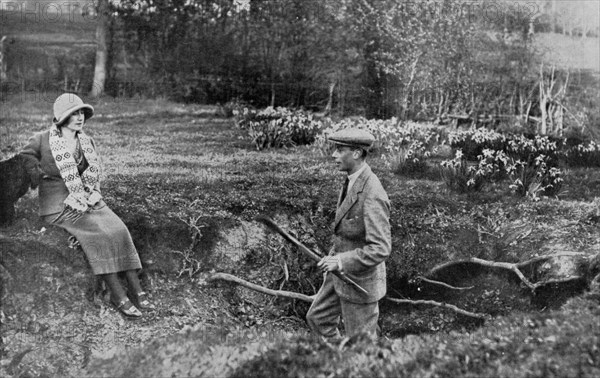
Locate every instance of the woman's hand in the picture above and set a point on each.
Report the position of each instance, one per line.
(68, 214)
(94, 198)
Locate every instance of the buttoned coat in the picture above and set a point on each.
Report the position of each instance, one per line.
(362, 239)
(52, 190)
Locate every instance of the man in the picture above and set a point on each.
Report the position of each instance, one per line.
(361, 244)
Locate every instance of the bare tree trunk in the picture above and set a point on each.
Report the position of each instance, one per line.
(544, 97)
(407, 89)
(2, 59)
(330, 98)
(272, 93)
(101, 49)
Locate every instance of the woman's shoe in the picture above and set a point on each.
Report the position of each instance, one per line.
(143, 302)
(128, 309)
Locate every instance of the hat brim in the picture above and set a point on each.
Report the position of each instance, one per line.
(88, 112)
(347, 144)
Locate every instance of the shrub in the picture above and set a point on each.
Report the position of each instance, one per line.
(473, 142)
(523, 148)
(533, 167)
(462, 177)
(583, 155)
(529, 178)
(232, 108)
(278, 127)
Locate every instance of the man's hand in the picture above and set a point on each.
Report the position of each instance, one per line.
(330, 264)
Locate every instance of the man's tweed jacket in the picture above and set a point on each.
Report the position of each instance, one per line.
(362, 239)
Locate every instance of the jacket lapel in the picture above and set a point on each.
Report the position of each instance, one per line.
(352, 196)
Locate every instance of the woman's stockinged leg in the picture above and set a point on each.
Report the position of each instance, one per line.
(119, 297)
(141, 298)
(116, 289)
(134, 281)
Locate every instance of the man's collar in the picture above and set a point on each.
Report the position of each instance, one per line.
(355, 175)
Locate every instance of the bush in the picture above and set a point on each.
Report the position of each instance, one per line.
(529, 178)
(473, 142)
(533, 166)
(462, 177)
(278, 127)
(233, 107)
(583, 155)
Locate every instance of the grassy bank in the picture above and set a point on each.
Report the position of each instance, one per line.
(169, 167)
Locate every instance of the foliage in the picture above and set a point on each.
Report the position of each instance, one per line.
(264, 52)
(558, 343)
(582, 155)
(189, 264)
(531, 163)
(462, 177)
(472, 142)
(533, 166)
(278, 127)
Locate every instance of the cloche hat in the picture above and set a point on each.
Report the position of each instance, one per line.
(67, 104)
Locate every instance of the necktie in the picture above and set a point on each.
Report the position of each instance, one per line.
(344, 190)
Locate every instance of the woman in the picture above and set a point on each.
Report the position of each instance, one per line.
(69, 197)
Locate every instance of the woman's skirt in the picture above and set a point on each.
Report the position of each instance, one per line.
(104, 239)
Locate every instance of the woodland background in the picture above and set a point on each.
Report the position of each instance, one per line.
(420, 60)
(209, 113)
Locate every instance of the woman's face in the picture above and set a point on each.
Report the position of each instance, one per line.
(75, 121)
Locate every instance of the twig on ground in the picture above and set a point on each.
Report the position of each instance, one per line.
(440, 304)
(260, 289)
(434, 282)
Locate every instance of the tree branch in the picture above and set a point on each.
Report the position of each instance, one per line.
(434, 282)
(440, 304)
(546, 257)
(260, 289)
(558, 280)
(510, 266)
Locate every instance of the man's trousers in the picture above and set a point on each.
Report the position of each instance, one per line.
(324, 314)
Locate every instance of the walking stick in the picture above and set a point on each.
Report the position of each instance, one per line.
(307, 251)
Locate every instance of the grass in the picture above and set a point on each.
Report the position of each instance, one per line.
(520, 345)
(164, 161)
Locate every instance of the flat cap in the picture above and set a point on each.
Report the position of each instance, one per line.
(353, 137)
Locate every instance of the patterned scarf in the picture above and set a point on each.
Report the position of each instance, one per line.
(81, 188)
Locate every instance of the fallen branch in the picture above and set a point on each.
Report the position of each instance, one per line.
(440, 304)
(486, 263)
(434, 282)
(546, 257)
(260, 289)
(510, 266)
(556, 281)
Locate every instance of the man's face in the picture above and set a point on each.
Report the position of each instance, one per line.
(346, 158)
